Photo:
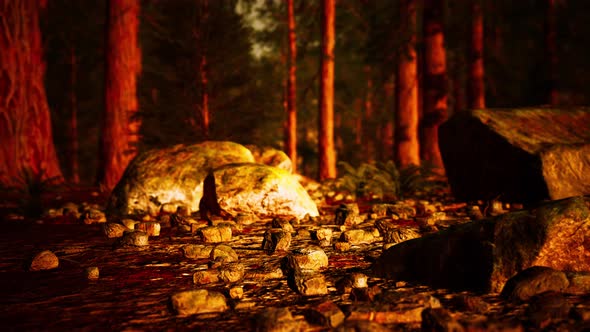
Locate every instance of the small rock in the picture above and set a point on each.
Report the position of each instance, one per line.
(309, 283)
(358, 236)
(245, 218)
(151, 228)
(265, 273)
(45, 260)
(213, 234)
(93, 216)
(276, 320)
(276, 240)
(434, 218)
(401, 234)
(92, 273)
(198, 301)
(326, 314)
(283, 224)
(342, 246)
(348, 215)
(196, 251)
(236, 293)
(324, 236)
(532, 281)
(439, 319)
(579, 282)
(425, 207)
(359, 280)
(204, 277)
(172, 207)
(474, 212)
(71, 209)
(114, 230)
(471, 303)
(135, 239)
(311, 258)
(231, 272)
(223, 254)
(129, 223)
(303, 234)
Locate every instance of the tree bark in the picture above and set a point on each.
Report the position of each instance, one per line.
(120, 128)
(27, 148)
(327, 153)
(204, 70)
(407, 150)
(435, 82)
(291, 132)
(73, 123)
(476, 89)
(368, 121)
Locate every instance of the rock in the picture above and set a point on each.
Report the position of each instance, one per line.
(482, 255)
(276, 240)
(276, 320)
(129, 223)
(348, 215)
(196, 251)
(266, 272)
(524, 155)
(401, 234)
(92, 273)
(215, 234)
(324, 236)
(271, 157)
(532, 281)
(173, 174)
(114, 230)
(471, 304)
(358, 280)
(223, 254)
(264, 191)
(245, 218)
(231, 272)
(325, 314)
(547, 307)
(133, 239)
(198, 301)
(150, 228)
(282, 223)
(93, 216)
(309, 283)
(579, 282)
(310, 258)
(394, 311)
(358, 236)
(342, 246)
(236, 292)
(45, 260)
(439, 319)
(204, 277)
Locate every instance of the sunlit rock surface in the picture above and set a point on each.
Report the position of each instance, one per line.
(263, 190)
(520, 155)
(482, 255)
(271, 156)
(173, 174)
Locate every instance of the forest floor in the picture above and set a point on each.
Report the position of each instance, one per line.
(135, 284)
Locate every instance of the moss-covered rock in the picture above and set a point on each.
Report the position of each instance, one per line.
(262, 190)
(483, 255)
(521, 155)
(172, 174)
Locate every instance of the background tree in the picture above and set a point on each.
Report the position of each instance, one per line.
(201, 33)
(435, 81)
(551, 52)
(476, 85)
(407, 150)
(291, 126)
(27, 148)
(120, 128)
(326, 150)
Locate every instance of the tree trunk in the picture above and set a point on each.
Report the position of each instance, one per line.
(327, 154)
(73, 124)
(120, 128)
(476, 89)
(291, 137)
(435, 82)
(27, 148)
(204, 69)
(550, 48)
(407, 151)
(368, 122)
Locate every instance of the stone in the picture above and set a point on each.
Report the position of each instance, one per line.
(262, 190)
(231, 272)
(348, 215)
(471, 304)
(45, 260)
(482, 255)
(133, 239)
(358, 236)
(129, 223)
(174, 174)
(309, 283)
(204, 277)
(310, 258)
(394, 311)
(325, 314)
(525, 155)
(401, 234)
(92, 273)
(579, 282)
(358, 280)
(283, 223)
(271, 157)
(532, 281)
(93, 216)
(215, 234)
(196, 251)
(236, 292)
(342, 246)
(324, 236)
(276, 240)
(114, 230)
(151, 228)
(439, 319)
(276, 320)
(223, 254)
(266, 272)
(198, 301)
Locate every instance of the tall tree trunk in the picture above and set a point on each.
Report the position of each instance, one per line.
(291, 137)
(120, 128)
(550, 48)
(407, 150)
(369, 129)
(27, 148)
(476, 87)
(435, 82)
(204, 69)
(327, 153)
(73, 123)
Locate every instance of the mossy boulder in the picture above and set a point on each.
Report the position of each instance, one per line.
(482, 255)
(262, 190)
(520, 155)
(171, 175)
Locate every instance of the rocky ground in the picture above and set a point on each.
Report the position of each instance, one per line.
(245, 274)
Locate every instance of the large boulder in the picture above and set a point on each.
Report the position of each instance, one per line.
(519, 155)
(483, 255)
(262, 190)
(171, 175)
(270, 156)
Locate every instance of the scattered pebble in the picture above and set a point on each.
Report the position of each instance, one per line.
(276, 239)
(134, 239)
(196, 251)
(45, 260)
(92, 273)
(114, 230)
(326, 314)
(215, 234)
(198, 301)
(223, 253)
(310, 258)
(151, 228)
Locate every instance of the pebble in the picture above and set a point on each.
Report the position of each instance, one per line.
(358, 280)
(236, 292)
(276, 239)
(533, 281)
(348, 215)
(276, 320)
(400, 234)
(151, 228)
(282, 223)
(245, 218)
(92, 273)
(232, 272)
(310, 258)
(198, 301)
(326, 314)
(134, 238)
(324, 236)
(45, 260)
(204, 277)
(215, 234)
(309, 283)
(93, 216)
(196, 251)
(129, 223)
(342, 246)
(114, 230)
(223, 253)
(358, 236)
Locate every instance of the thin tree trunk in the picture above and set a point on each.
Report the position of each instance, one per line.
(386, 125)
(204, 70)
(291, 137)
(73, 124)
(368, 123)
(407, 150)
(327, 153)
(550, 46)
(476, 87)
(435, 82)
(27, 148)
(120, 128)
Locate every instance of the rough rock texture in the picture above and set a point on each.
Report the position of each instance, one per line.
(522, 155)
(271, 156)
(482, 255)
(262, 190)
(174, 174)
(45, 260)
(198, 301)
(534, 280)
